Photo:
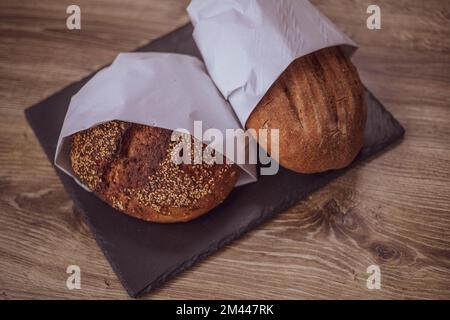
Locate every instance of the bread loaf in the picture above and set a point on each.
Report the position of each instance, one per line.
(318, 105)
(130, 167)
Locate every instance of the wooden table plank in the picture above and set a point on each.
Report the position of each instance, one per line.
(393, 210)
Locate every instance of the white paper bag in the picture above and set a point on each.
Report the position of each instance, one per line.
(156, 89)
(247, 44)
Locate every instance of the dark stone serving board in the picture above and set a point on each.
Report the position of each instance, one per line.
(144, 255)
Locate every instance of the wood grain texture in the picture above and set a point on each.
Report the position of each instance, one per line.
(393, 210)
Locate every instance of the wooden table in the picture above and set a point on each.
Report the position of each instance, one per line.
(392, 211)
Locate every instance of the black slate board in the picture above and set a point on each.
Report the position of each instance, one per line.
(144, 255)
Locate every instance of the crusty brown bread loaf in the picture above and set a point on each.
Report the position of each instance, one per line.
(129, 166)
(318, 105)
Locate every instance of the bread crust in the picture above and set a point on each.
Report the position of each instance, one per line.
(129, 166)
(318, 105)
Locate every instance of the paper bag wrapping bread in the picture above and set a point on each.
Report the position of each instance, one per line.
(159, 90)
(279, 65)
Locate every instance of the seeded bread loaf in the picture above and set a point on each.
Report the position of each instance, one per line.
(318, 105)
(129, 166)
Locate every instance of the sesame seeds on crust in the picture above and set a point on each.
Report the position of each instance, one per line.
(92, 149)
(133, 171)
